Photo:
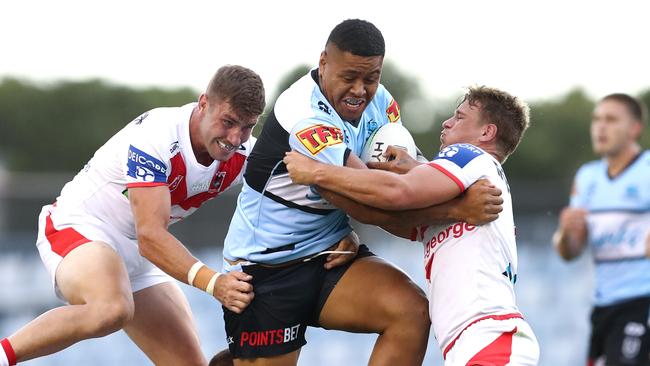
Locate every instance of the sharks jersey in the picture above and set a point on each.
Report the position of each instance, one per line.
(277, 221)
(618, 223)
(154, 149)
(470, 269)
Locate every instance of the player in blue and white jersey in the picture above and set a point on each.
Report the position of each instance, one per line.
(328, 114)
(609, 212)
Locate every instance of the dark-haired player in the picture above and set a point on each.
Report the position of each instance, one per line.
(280, 229)
(610, 212)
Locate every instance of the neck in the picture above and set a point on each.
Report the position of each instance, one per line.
(617, 163)
(200, 152)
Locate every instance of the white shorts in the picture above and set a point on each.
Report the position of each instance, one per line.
(496, 343)
(60, 232)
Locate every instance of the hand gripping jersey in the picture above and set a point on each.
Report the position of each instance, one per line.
(618, 223)
(277, 221)
(154, 149)
(470, 269)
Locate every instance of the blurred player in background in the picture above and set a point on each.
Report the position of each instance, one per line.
(471, 270)
(610, 212)
(285, 234)
(106, 242)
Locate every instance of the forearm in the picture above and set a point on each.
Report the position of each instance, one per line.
(167, 253)
(567, 245)
(371, 187)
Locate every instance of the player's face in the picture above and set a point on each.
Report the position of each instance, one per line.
(349, 82)
(222, 131)
(463, 127)
(612, 128)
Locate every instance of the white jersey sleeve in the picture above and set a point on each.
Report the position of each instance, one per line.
(147, 159)
(463, 163)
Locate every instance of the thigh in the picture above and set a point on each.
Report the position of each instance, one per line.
(93, 272)
(370, 295)
(163, 327)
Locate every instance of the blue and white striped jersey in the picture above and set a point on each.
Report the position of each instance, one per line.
(277, 221)
(618, 224)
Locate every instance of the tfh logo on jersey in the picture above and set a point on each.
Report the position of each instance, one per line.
(393, 111)
(145, 167)
(269, 337)
(316, 138)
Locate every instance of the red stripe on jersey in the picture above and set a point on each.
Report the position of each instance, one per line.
(496, 353)
(144, 184)
(176, 180)
(449, 174)
(63, 241)
(228, 171)
(495, 317)
(9, 351)
(427, 267)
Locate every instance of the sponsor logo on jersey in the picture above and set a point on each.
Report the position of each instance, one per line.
(452, 231)
(141, 118)
(512, 277)
(175, 146)
(316, 138)
(145, 167)
(393, 111)
(262, 338)
(323, 107)
(460, 154)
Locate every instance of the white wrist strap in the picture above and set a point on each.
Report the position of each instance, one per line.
(193, 271)
(213, 281)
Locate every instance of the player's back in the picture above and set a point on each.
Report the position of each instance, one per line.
(618, 224)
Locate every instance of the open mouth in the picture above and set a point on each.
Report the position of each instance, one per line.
(353, 103)
(225, 146)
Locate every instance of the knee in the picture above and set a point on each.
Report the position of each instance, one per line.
(110, 316)
(412, 312)
(223, 358)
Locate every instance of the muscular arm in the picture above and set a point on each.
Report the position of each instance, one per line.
(421, 187)
(151, 208)
(480, 204)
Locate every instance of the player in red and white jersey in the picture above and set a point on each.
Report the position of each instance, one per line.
(470, 269)
(105, 241)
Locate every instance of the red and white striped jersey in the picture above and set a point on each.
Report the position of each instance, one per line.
(154, 149)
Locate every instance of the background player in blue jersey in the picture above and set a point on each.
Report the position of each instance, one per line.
(610, 212)
(328, 114)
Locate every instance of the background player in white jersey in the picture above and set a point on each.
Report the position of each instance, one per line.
(106, 241)
(471, 269)
(610, 212)
(329, 114)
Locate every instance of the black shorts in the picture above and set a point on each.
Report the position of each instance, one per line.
(620, 332)
(287, 300)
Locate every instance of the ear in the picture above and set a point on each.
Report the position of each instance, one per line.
(637, 130)
(203, 103)
(323, 59)
(489, 133)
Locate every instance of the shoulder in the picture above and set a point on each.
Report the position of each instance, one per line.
(462, 154)
(588, 170)
(384, 103)
(302, 101)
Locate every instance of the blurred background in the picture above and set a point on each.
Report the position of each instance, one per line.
(73, 73)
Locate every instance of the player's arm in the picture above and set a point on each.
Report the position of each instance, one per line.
(570, 238)
(421, 187)
(151, 208)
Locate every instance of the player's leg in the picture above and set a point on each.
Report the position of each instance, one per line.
(627, 341)
(289, 359)
(163, 327)
(373, 296)
(93, 279)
